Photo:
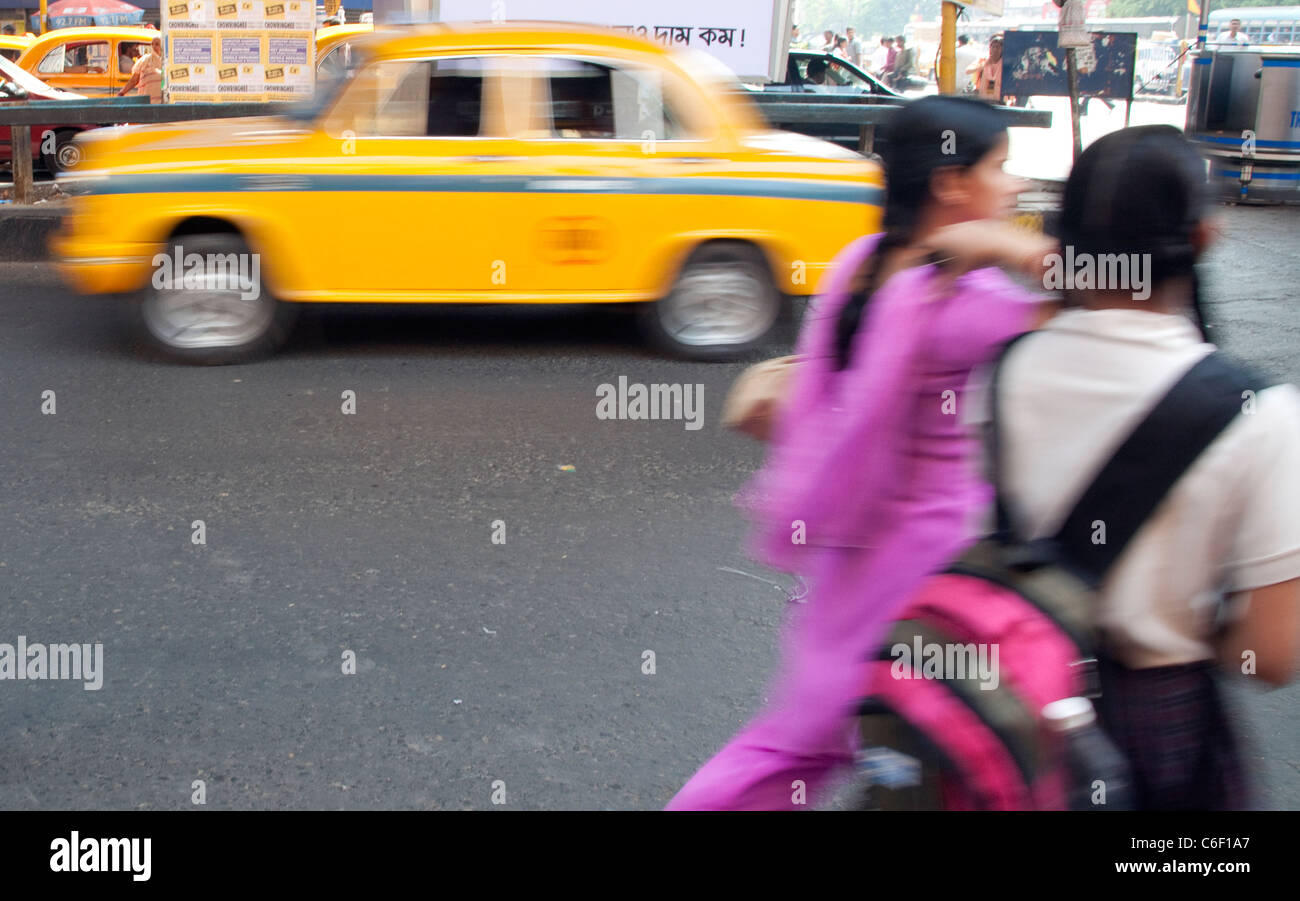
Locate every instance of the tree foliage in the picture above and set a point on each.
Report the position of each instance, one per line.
(868, 17)
(1123, 9)
(889, 16)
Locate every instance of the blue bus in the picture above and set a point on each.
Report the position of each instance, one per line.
(1262, 25)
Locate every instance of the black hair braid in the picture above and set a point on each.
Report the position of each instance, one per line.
(864, 285)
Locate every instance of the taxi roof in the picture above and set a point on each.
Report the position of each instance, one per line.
(332, 34)
(90, 32)
(404, 40)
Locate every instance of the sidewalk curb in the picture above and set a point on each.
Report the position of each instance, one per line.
(25, 232)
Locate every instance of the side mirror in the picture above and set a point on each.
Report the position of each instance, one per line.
(11, 89)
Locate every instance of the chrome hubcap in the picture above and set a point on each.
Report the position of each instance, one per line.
(207, 315)
(718, 304)
(68, 155)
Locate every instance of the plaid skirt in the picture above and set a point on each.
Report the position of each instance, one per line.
(1171, 723)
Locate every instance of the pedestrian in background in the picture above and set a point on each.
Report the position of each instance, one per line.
(904, 65)
(967, 62)
(854, 46)
(880, 56)
(891, 56)
(1232, 36)
(146, 74)
(869, 485)
(988, 79)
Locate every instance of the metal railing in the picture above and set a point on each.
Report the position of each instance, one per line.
(788, 110)
(21, 116)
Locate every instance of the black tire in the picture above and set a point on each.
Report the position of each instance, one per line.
(65, 155)
(256, 325)
(730, 277)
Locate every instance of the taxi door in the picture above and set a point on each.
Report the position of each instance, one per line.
(614, 170)
(421, 192)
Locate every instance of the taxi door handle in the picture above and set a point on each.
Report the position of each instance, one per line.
(693, 159)
(492, 158)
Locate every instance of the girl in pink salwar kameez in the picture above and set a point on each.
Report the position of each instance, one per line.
(870, 484)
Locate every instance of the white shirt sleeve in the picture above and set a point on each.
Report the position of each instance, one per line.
(1266, 545)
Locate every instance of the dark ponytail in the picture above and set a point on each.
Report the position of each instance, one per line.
(1140, 190)
(925, 135)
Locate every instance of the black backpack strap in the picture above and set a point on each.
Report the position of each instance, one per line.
(1156, 454)
(1005, 529)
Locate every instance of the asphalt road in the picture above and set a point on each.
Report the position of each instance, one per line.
(372, 533)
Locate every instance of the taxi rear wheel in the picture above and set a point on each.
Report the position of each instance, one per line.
(65, 153)
(722, 305)
(211, 307)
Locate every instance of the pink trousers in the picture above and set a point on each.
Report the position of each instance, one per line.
(794, 751)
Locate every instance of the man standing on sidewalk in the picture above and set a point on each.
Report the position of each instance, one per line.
(146, 75)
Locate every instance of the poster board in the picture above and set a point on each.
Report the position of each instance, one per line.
(992, 7)
(750, 37)
(1033, 64)
(245, 50)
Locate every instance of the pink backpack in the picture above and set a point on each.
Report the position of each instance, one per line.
(952, 712)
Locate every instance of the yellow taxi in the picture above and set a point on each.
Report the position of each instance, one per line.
(334, 49)
(13, 45)
(92, 60)
(471, 164)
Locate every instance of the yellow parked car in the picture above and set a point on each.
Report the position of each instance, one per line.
(91, 60)
(476, 164)
(13, 45)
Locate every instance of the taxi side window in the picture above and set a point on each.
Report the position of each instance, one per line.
(455, 98)
(428, 98)
(53, 62)
(336, 62)
(86, 58)
(590, 100)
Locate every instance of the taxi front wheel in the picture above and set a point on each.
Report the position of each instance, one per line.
(206, 303)
(722, 305)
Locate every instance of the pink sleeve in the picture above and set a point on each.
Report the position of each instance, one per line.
(998, 310)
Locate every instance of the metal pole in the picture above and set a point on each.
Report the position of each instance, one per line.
(20, 139)
(948, 49)
(1072, 75)
(1203, 27)
(45, 13)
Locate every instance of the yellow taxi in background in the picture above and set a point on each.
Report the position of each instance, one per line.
(13, 45)
(92, 60)
(471, 164)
